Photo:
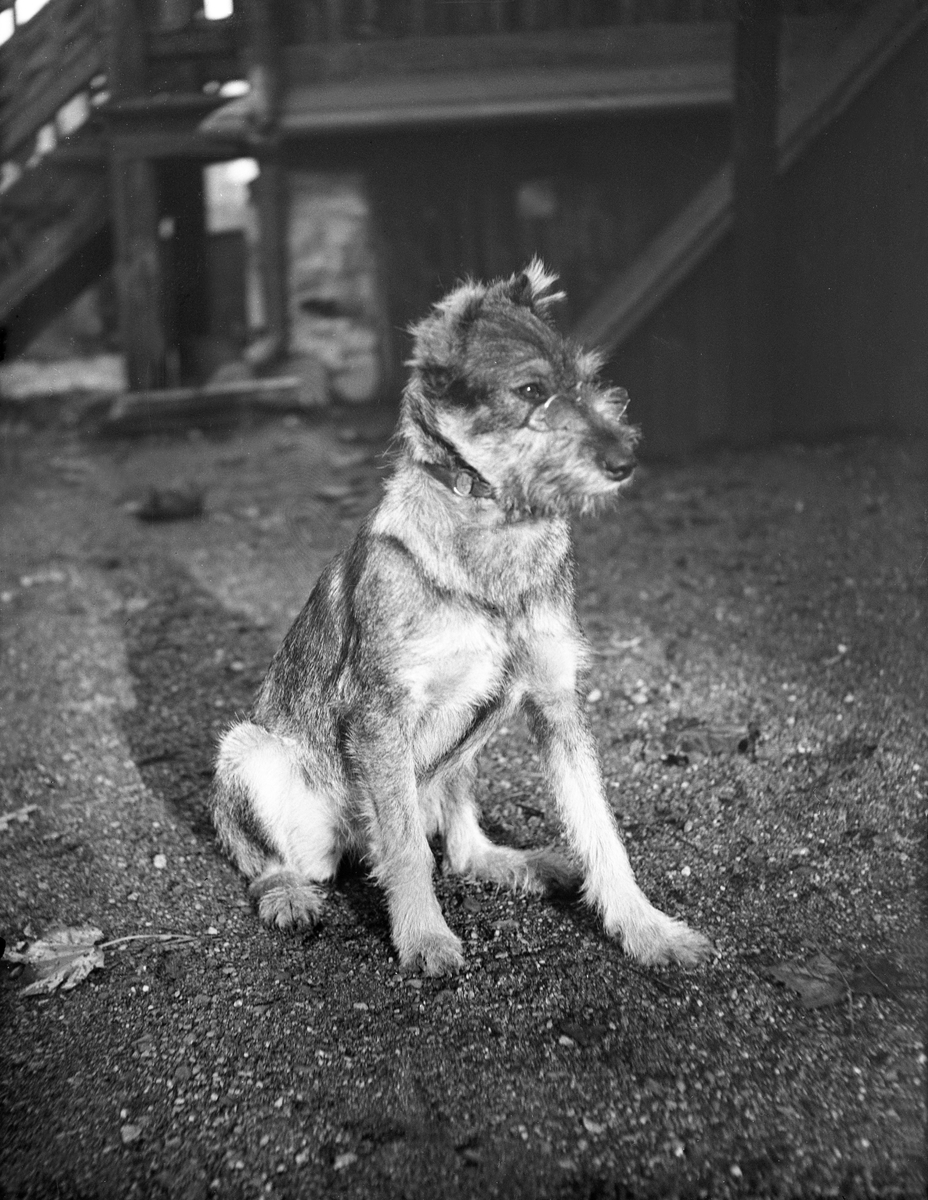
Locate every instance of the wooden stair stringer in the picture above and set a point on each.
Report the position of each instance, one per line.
(51, 245)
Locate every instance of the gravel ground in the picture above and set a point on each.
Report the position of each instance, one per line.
(759, 696)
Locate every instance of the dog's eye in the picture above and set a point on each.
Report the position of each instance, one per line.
(533, 392)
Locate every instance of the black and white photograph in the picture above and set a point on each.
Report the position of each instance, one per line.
(463, 599)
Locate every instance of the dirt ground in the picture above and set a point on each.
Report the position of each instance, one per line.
(759, 692)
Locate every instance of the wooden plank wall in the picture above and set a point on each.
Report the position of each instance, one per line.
(314, 21)
(853, 302)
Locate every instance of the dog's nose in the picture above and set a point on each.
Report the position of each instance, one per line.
(620, 469)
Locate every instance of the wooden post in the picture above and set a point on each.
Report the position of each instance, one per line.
(125, 48)
(271, 186)
(134, 191)
(754, 320)
(139, 282)
(183, 258)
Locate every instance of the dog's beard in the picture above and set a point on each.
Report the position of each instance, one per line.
(562, 505)
(557, 488)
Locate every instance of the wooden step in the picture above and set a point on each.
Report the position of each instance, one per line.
(172, 410)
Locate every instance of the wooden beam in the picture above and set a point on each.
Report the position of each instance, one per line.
(49, 247)
(168, 410)
(753, 317)
(628, 46)
(139, 282)
(828, 86)
(212, 39)
(266, 76)
(183, 260)
(271, 194)
(410, 82)
(264, 65)
(465, 98)
(124, 40)
(180, 143)
(72, 274)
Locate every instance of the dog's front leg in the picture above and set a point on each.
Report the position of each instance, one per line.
(401, 857)
(570, 760)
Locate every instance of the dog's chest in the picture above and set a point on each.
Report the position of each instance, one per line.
(457, 662)
(465, 662)
(452, 674)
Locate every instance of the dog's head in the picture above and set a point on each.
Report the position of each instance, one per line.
(494, 386)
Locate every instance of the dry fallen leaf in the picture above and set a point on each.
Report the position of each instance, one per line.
(818, 981)
(686, 738)
(61, 959)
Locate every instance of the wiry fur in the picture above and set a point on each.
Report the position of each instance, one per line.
(452, 609)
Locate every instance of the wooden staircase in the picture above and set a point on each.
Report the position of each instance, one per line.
(69, 102)
(812, 98)
(54, 239)
(54, 202)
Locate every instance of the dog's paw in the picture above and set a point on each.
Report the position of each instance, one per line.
(537, 872)
(433, 954)
(554, 872)
(290, 906)
(660, 939)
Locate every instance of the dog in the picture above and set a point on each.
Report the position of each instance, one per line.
(452, 609)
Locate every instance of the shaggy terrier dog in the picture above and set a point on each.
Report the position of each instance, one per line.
(452, 609)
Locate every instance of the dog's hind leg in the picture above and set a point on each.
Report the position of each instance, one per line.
(280, 832)
(469, 852)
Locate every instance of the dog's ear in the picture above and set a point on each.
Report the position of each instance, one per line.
(531, 287)
(436, 338)
(463, 304)
(440, 384)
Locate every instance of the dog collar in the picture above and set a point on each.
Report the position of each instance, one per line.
(460, 479)
(457, 474)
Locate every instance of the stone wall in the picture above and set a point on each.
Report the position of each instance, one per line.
(333, 290)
